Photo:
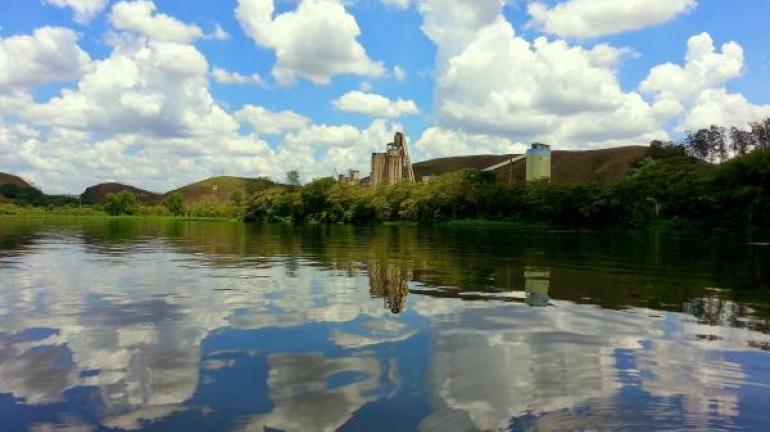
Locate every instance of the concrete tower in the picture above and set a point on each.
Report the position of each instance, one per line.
(538, 162)
(394, 165)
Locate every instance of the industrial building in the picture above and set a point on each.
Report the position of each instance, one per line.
(353, 177)
(538, 162)
(394, 165)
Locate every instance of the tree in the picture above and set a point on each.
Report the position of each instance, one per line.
(292, 177)
(761, 132)
(174, 203)
(741, 141)
(121, 203)
(698, 143)
(717, 143)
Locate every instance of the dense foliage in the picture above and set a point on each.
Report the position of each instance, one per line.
(174, 203)
(121, 203)
(667, 186)
(34, 197)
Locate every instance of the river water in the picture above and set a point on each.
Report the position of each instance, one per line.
(215, 326)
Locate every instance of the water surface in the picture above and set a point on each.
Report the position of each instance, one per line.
(185, 326)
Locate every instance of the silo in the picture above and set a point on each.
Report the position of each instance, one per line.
(538, 162)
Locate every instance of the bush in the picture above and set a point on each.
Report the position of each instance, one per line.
(121, 203)
(174, 203)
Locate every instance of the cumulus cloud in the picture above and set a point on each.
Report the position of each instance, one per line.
(375, 105)
(695, 92)
(141, 16)
(269, 122)
(85, 10)
(492, 82)
(593, 18)
(317, 41)
(156, 88)
(436, 142)
(49, 54)
(223, 76)
(319, 150)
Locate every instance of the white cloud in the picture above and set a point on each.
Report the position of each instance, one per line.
(85, 10)
(272, 123)
(316, 41)
(437, 142)
(50, 54)
(375, 105)
(223, 76)
(695, 92)
(141, 16)
(218, 34)
(492, 82)
(319, 150)
(153, 88)
(399, 73)
(593, 18)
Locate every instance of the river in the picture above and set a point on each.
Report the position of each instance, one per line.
(219, 326)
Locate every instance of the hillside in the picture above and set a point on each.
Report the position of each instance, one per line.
(8, 179)
(220, 190)
(97, 194)
(567, 166)
(440, 166)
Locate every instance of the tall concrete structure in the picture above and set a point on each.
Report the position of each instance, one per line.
(538, 162)
(394, 165)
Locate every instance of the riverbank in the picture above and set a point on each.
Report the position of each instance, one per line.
(666, 189)
(88, 214)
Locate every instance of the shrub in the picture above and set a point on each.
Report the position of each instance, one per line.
(174, 203)
(121, 203)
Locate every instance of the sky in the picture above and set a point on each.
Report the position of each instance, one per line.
(161, 93)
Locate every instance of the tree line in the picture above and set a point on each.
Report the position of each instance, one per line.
(711, 178)
(717, 144)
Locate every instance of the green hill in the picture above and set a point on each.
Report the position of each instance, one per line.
(16, 190)
(219, 190)
(98, 194)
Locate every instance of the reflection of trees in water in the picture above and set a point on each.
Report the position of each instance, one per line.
(614, 272)
(717, 311)
(389, 281)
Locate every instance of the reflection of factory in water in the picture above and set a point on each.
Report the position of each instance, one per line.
(536, 285)
(390, 281)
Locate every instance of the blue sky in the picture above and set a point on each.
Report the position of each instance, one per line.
(475, 81)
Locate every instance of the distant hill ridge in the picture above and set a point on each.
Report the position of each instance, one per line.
(222, 189)
(568, 166)
(216, 190)
(9, 179)
(96, 195)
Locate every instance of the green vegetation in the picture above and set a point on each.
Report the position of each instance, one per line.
(121, 203)
(667, 187)
(34, 197)
(174, 203)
